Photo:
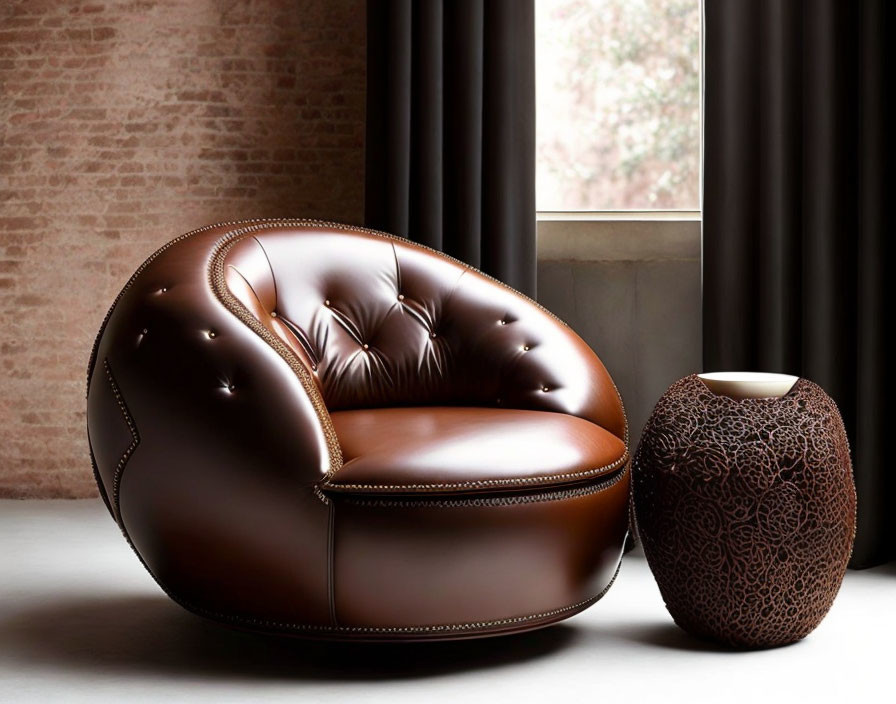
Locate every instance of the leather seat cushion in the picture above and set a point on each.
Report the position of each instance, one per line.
(451, 450)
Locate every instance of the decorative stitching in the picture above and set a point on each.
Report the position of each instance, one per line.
(510, 500)
(135, 438)
(481, 483)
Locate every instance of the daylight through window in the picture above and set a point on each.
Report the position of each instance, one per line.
(618, 104)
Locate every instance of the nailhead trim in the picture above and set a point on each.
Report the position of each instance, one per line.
(146, 263)
(481, 483)
(135, 437)
(510, 500)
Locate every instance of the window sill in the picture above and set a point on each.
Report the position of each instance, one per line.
(617, 215)
(636, 237)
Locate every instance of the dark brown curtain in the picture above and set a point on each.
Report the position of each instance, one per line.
(451, 129)
(799, 144)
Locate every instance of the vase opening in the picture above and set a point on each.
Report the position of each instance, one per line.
(741, 385)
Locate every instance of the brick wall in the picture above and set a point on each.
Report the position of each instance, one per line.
(124, 123)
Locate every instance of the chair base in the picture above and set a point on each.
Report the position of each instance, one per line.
(404, 634)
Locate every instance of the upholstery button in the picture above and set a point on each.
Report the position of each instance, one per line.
(212, 333)
(230, 387)
(144, 331)
(163, 289)
(502, 321)
(525, 348)
(273, 314)
(400, 296)
(365, 346)
(327, 302)
(545, 388)
(432, 334)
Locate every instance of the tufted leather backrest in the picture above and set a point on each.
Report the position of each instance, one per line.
(380, 321)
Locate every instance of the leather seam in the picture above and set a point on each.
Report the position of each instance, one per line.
(135, 439)
(513, 500)
(482, 483)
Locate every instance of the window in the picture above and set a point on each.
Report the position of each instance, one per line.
(618, 98)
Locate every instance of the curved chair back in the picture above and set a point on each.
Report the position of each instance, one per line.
(379, 321)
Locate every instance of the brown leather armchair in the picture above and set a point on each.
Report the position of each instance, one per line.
(324, 430)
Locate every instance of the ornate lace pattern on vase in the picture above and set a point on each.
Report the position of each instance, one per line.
(746, 509)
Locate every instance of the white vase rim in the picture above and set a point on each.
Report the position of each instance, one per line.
(745, 385)
(749, 377)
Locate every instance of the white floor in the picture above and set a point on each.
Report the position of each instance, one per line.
(81, 621)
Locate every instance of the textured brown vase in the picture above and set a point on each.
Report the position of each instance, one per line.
(746, 510)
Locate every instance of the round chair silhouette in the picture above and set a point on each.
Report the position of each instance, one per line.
(328, 431)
